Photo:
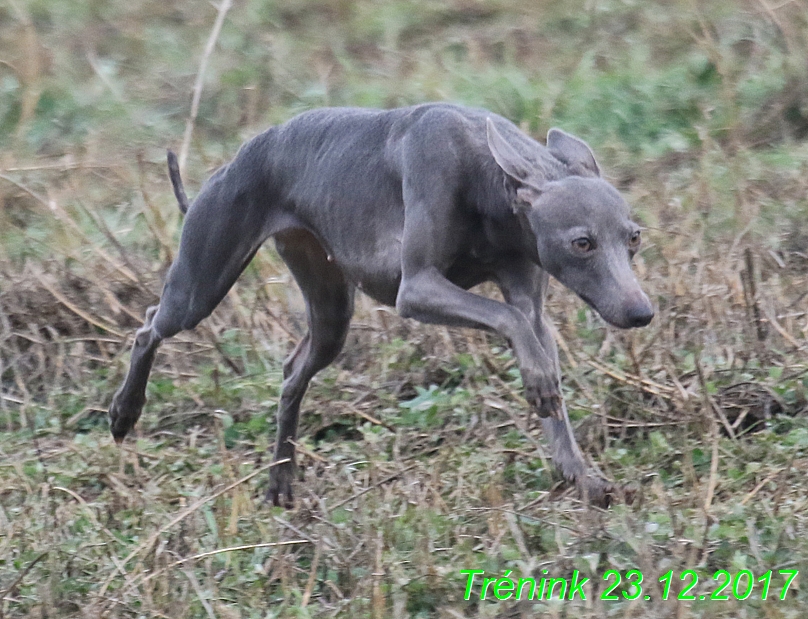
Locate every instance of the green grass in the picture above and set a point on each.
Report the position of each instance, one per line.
(416, 460)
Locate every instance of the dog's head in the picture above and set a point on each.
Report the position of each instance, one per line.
(584, 236)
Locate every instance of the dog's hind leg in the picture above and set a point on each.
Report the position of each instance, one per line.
(329, 308)
(218, 241)
(524, 285)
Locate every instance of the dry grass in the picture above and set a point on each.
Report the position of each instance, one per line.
(416, 460)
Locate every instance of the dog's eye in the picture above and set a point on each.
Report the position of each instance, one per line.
(634, 240)
(583, 244)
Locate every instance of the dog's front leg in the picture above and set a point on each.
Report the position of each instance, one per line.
(524, 285)
(429, 297)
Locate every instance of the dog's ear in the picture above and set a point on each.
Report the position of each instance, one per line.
(573, 152)
(519, 172)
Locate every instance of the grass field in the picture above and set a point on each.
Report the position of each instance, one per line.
(416, 458)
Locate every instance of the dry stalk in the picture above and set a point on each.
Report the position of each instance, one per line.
(315, 563)
(18, 579)
(31, 72)
(377, 596)
(65, 166)
(79, 312)
(25, 188)
(713, 480)
(772, 319)
(307, 452)
(65, 218)
(751, 294)
(757, 488)
(200, 594)
(710, 403)
(387, 479)
(158, 228)
(771, 12)
(224, 6)
(523, 428)
(370, 418)
(644, 384)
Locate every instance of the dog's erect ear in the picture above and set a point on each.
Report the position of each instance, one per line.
(573, 152)
(519, 171)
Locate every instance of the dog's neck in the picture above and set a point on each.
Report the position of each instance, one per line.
(529, 242)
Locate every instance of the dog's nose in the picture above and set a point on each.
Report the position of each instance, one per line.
(640, 315)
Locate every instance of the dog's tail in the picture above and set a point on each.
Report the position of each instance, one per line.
(176, 181)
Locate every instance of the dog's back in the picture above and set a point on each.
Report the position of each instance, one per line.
(347, 160)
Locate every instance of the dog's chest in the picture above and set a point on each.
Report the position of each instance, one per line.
(375, 268)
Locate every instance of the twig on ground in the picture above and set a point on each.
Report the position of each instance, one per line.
(144, 578)
(315, 562)
(644, 384)
(18, 579)
(200, 594)
(25, 188)
(387, 479)
(757, 488)
(712, 482)
(307, 452)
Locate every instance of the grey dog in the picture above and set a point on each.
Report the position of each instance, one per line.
(413, 206)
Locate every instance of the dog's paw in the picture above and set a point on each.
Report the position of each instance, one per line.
(550, 406)
(280, 485)
(543, 393)
(123, 415)
(596, 492)
(604, 494)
